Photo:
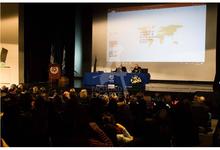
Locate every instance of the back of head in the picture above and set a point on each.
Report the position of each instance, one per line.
(108, 118)
(105, 100)
(13, 88)
(21, 87)
(201, 99)
(167, 98)
(3, 91)
(139, 95)
(35, 90)
(147, 96)
(66, 95)
(43, 90)
(114, 97)
(83, 94)
(72, 91)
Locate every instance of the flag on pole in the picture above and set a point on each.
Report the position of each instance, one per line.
(64, 61)
(95, 63)
(52, 54)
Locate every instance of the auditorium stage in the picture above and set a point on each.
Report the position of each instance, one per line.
(179, 87)
(161, 86)
(170, 87)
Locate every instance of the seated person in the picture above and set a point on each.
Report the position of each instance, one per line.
(121, 69)
(200, 113)
(98, 137)
(115, 131)
(137, 69)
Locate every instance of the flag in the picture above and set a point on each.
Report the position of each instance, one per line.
(52, 54)
(64, 61)
(95, 63)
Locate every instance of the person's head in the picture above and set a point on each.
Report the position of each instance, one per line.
(66, 95)
(83, 94)
(105, 99)
(200, 99)
(73, 92)
(139, 95)
(13, 88)
(108, 118)
(43, 90)
(21, 87)
(136, 66)
(35, 90)
(147, 97)
(167, 98)
(3, 91)
(114, 97)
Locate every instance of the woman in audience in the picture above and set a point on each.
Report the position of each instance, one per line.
(97, 137)
(115, 131)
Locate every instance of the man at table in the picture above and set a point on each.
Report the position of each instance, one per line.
(121, 69)
(137, 69)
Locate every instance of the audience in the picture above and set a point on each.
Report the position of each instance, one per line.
(51, 117)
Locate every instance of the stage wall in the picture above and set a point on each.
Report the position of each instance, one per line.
(9, 72)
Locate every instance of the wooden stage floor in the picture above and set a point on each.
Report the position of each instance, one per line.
(178, 87)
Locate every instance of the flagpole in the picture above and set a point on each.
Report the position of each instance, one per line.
(51, 62)
(64, 81)
(95, 63)
(64, 61)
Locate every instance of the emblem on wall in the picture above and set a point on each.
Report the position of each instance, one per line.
(54, 71)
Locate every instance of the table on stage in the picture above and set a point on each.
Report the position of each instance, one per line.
(121, 79)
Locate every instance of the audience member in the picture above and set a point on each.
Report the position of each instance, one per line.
(201, 113)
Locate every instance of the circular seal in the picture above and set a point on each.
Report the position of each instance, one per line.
(54, 70)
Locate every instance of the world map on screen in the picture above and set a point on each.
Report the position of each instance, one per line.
(148, 35)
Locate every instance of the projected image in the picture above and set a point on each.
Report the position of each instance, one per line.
(149, 35)
(174, 34)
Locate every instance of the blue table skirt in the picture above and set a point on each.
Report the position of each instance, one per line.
(121, 79)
